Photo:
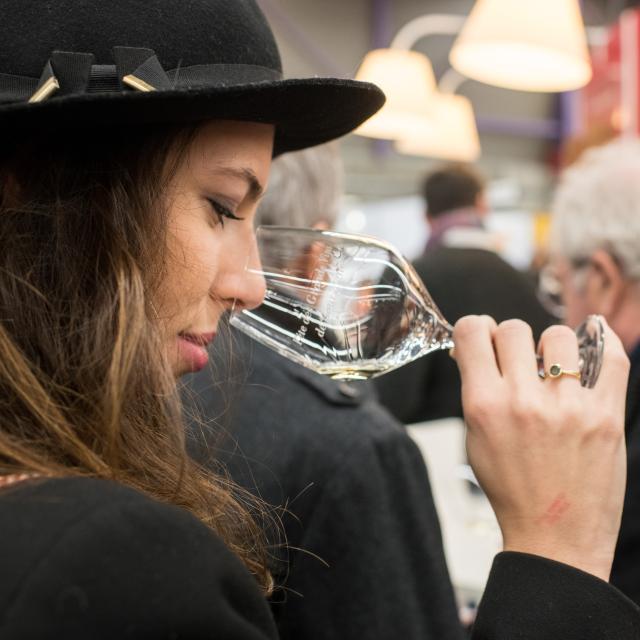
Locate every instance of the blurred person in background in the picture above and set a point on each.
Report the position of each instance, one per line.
(362, 555)
(595, 249)
(464, 275)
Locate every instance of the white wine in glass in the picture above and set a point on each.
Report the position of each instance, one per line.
(351, 307)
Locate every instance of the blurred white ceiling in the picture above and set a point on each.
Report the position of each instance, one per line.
(516, 128)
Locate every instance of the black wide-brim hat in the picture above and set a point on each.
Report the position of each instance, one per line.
(89, 63)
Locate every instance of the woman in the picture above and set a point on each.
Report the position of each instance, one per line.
(126, 202)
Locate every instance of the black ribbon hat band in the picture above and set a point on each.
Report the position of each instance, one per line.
(69, 73)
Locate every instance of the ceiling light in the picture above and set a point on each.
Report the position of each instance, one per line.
(530, 46)
(449, 133)
(407, 79)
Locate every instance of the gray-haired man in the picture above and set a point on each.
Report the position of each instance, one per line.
(595, 249)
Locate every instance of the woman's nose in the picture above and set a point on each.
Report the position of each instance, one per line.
(242, 281)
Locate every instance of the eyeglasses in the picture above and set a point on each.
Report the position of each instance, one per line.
(551, 288)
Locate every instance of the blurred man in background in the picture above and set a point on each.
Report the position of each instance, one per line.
(595, 248)
(363, 555)
(464, 275)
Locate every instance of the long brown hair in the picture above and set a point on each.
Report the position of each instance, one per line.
(85, 389)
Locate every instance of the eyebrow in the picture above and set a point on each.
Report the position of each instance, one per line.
(256, 190)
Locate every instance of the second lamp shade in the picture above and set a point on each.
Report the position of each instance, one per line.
(450, 133)
(407, 79)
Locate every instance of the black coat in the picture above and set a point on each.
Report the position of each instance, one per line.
(626, 565)
(91, 559)
(461, 282)
(365, 556)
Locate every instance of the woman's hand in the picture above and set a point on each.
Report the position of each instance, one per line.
(549, 454)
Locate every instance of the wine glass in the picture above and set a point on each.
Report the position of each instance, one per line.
(351, 307)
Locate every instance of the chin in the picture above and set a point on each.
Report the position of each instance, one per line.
(185, 368)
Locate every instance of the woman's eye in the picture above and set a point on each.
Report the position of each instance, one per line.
(222, 212)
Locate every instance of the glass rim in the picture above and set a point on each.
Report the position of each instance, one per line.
(358, 237)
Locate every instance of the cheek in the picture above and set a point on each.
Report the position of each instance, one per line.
(191, 269)
(577, 307)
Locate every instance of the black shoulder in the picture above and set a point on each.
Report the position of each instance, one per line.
(73, 493)
(534, 598)
(133, 567)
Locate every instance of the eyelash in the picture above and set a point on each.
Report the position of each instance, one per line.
(222, 212)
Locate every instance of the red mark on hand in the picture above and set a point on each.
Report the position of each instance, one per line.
(555, 511)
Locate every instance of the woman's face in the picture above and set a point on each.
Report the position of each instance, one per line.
(212, 201)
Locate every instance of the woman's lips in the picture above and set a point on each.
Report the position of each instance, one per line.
(192, 349)
(201, 339)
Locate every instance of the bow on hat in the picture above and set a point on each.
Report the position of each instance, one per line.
(69, 73)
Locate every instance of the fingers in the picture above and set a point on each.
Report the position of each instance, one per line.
(612, 382)
(515, 349)
(559, 346)
(474, 353)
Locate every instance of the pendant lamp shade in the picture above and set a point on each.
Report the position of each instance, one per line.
(450, 133)
(525, 45)
(407, 79)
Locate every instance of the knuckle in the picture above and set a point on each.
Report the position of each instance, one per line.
(466, 325)
(524, 409)
(619, 358)
(557, 332)
(612, 340)
(479, 408)
(469, 325)
(489, 321)
(467, 329)
(610, 431)
(607, 430)
(572, 412)
(515, 325)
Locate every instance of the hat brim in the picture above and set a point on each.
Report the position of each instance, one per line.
(306, 112)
